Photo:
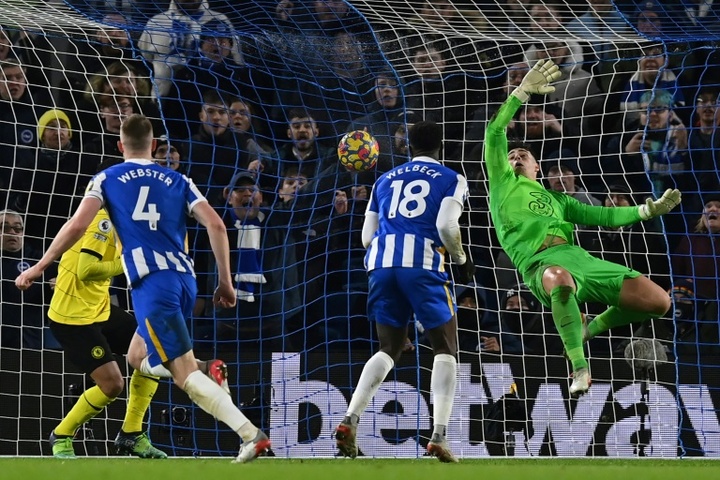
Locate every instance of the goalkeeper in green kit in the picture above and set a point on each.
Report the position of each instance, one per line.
(535, 228)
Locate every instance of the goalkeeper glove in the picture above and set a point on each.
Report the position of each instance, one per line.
(537, 80)
(466, 271)
(654, 208)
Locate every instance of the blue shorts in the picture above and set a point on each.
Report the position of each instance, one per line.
(395, 294)
(162, 301)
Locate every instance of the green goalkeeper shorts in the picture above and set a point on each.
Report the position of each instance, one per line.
(596, 280)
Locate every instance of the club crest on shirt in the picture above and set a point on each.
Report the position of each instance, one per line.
(541, 205)
(22, 266)
(105, 225)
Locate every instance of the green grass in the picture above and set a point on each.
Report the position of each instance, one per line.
(359, 469)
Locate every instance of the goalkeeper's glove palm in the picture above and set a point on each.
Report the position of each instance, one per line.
(538, 80)
(654, 208)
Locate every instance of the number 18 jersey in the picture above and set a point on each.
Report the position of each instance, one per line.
(148, 205)
(407, 200)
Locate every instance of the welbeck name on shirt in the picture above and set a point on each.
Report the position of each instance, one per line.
(143, 173)
(414, 168)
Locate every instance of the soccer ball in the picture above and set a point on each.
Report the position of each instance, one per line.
(358, 151)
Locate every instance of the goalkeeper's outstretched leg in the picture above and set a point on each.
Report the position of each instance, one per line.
(632, 298)
(640, 300)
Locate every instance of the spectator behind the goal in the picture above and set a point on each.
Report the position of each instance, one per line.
(303, 152)
(652, 74)
(48, 184)
(472, 317)
(22, 314)
(704, 143)
(650, 19)
(382, 119)
(563, 176)
(340, 93)
(213, 152)
(337, 249)
(251, 133)
(20, 107)
(401, 150)
(35, 50)
(102, 149)
(324, 16)
(212, 67)
(524, 330)
(696, 255)
(655, 148)
(6, 46)
(88, 93)
(264, 266)
(170, 38)
(440, 91)
(167, 155)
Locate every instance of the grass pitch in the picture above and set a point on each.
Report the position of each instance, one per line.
(359, 469)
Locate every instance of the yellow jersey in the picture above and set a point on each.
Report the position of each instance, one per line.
(82, 288)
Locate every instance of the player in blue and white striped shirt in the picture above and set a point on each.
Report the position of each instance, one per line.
(410, 222)
(148, 205)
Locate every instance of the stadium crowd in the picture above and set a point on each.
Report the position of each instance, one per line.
(250, 101)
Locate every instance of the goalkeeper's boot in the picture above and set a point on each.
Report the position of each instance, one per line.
(581, 382)
(217, 372)
(62, 447)
(345, 439)
(138, 445)
(249, 451)
(438, 447)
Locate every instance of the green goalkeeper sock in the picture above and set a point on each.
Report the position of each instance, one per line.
(566, 315)
(614, 317)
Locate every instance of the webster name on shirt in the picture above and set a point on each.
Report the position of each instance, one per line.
(144, 173)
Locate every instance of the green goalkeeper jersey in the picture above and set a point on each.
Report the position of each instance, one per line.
(523, 211)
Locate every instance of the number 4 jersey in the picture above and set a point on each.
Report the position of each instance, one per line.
(148, 205)
(407, 201)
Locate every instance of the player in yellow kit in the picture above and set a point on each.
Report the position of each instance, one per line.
(91, 329)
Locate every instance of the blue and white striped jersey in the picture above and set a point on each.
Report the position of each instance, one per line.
(407, 200)
(148, 205)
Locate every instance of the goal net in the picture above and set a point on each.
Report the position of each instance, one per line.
(270, 86)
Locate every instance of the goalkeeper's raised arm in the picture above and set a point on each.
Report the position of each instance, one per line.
(535, 228)
(536, 81)
(581, 213)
